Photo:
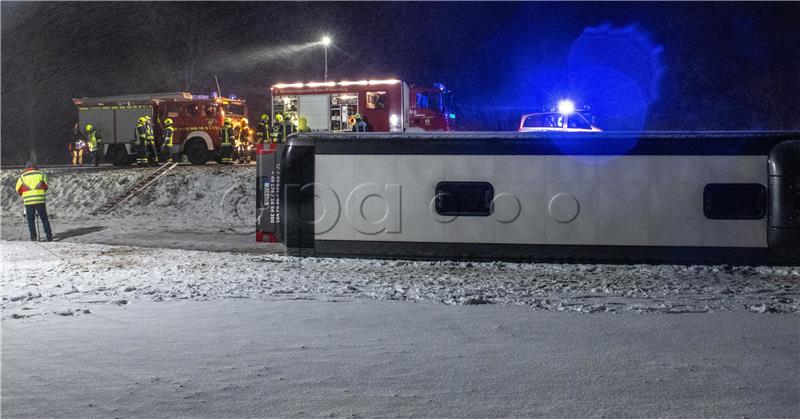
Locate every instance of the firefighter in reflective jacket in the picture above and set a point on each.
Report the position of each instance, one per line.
(277, 128)
(169, 130)
(147, 145)
(243, 140)
(32, 187)
(95, 144)
(263, 130)
(226, 138)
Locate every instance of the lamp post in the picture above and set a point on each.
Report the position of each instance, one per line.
(326, 40)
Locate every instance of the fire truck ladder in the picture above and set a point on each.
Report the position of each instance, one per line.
(139, 186)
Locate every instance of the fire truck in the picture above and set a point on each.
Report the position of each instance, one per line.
(385, 105)
(197, 120)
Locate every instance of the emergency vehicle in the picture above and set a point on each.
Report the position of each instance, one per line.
(385, 105)
(563, 119)
(197, 120)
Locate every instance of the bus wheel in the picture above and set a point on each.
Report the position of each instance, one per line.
(196, 152)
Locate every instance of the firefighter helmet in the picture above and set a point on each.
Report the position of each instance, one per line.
(279, 118)
(89, 128)
(147, 117)
(168, 121)
(142, 120)
(264, 117)
(228, 121)
(244, 121)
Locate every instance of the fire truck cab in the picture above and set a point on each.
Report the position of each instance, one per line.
(197, 120)
(385, 105)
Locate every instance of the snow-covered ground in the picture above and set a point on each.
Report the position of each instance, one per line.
(167, 307)
(242, 358)
(40, 279)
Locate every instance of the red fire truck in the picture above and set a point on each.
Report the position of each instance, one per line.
(197, 120)
(385, 105)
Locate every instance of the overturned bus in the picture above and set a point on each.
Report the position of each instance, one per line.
(713, 197)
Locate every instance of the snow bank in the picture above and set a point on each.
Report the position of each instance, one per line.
(73, 277)
(187, 196)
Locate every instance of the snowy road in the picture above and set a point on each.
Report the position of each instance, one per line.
(365, 358)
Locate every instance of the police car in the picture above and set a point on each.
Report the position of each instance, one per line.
(566, 119)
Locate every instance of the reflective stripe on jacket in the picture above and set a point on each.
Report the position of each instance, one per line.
(168, 136)
(141, 133)
(226, 135)
(32, 186)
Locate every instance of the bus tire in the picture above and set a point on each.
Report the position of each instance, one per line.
(196, 152)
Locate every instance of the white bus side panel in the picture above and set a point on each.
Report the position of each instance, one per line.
(626, 201)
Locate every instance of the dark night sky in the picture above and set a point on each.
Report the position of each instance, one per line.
(725, 65)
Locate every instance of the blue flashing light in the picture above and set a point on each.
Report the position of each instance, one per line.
(566, 107)
(232, 97)
(452, 116)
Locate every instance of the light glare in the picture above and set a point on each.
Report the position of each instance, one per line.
(566, 107)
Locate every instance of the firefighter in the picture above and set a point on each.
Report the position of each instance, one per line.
(226, 138)
(302, 124)
(287, 126)
(243, 140)
(77, 148)
(152, 151)
(359, 125)
(169, 130)
(277, 128)
(263, 130)
(32, 187)
(95, 144)
(146, 147)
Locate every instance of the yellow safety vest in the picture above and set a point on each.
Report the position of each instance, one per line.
(33, 184)
(93, 140)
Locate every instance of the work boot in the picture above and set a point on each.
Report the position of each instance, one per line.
(49, 239)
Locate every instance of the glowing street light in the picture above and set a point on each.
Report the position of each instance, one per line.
(326, 40)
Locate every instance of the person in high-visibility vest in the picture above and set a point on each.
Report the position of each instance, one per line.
(32, 187)
(169, 130)
(141, 139)
(95, 144)
(243, 140)
(152, 150)
(277, 128)
(302, 124)
(263, 130)
(226, 138)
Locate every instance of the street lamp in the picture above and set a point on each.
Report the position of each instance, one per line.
(326, 40)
